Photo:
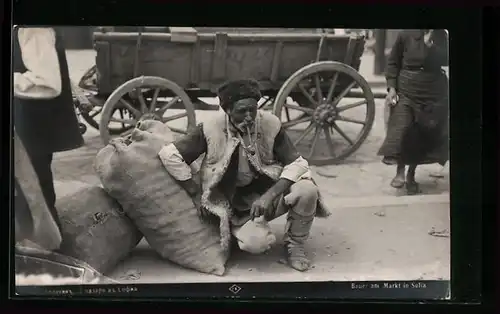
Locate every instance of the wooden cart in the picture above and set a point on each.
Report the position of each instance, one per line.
(306, 76)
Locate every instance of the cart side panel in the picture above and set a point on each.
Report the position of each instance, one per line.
(163, 58)
(269, 60)
(205, 63)
(357, 50)
(261, 30)
(226, 59)
(293, 56)
(249, 60)
(157, 58)
(296, 55)
(337, 50)
(103, 65)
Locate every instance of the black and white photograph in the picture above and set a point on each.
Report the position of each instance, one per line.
(176, 155)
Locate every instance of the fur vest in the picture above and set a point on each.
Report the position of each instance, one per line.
(221, 145)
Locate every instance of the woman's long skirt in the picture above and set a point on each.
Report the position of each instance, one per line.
(417, 130)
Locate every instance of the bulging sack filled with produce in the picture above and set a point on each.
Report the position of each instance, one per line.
(95, 229)
(133, 174)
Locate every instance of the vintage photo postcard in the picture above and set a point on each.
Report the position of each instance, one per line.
(236, 156)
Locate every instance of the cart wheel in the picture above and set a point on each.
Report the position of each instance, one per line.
(92, 118)
(90, 115)
(143, 106)
(325, 128)
(88, 80)
(82, 127)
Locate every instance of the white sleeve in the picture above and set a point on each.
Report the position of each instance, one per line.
(174, 163)
(297, 170)
(42, 80)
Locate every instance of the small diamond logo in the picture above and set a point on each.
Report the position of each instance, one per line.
(235, 289)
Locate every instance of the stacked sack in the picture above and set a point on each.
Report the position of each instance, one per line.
(132, 173)
(95, 230)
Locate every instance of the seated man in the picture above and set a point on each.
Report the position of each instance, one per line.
(251, 167)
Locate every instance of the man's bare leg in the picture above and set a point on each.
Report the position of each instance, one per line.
(412, 187)
(399, 180)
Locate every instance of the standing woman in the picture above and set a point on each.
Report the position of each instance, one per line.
(44, 116)
(417, 129)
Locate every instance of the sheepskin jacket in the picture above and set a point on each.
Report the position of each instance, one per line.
(215, 145)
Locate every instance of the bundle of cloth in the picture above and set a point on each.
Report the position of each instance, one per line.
(95, 229)
(93, 236)
(132, 173)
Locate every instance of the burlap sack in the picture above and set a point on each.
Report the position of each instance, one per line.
(95, 230)
(133, 174)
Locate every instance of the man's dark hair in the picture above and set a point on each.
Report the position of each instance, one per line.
(232, 91)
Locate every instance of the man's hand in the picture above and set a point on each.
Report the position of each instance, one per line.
(203, 213)
(261, 206)
(193, 190)
(197, 203)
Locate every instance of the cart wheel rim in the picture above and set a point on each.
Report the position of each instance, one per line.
(145, 108)
(87, 80)
(324, 110)
(91, 117)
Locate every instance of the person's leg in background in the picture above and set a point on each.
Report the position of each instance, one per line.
(42, 163)
(22, 215)
(412, 187)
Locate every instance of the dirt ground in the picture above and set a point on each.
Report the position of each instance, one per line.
(392, 244)
(375, 233)
(361, 174)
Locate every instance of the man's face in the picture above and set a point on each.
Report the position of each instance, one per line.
(244, 112)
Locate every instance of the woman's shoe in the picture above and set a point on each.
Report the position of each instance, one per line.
(397, 183)
(390, 161)
(412, 188)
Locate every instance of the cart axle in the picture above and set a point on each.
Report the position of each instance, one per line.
(360, 94)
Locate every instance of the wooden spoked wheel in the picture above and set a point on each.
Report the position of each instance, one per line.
(89, 79)
(92, 115)
(147, 97)
(325, 125)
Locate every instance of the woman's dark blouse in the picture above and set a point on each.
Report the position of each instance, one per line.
(410, 53)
